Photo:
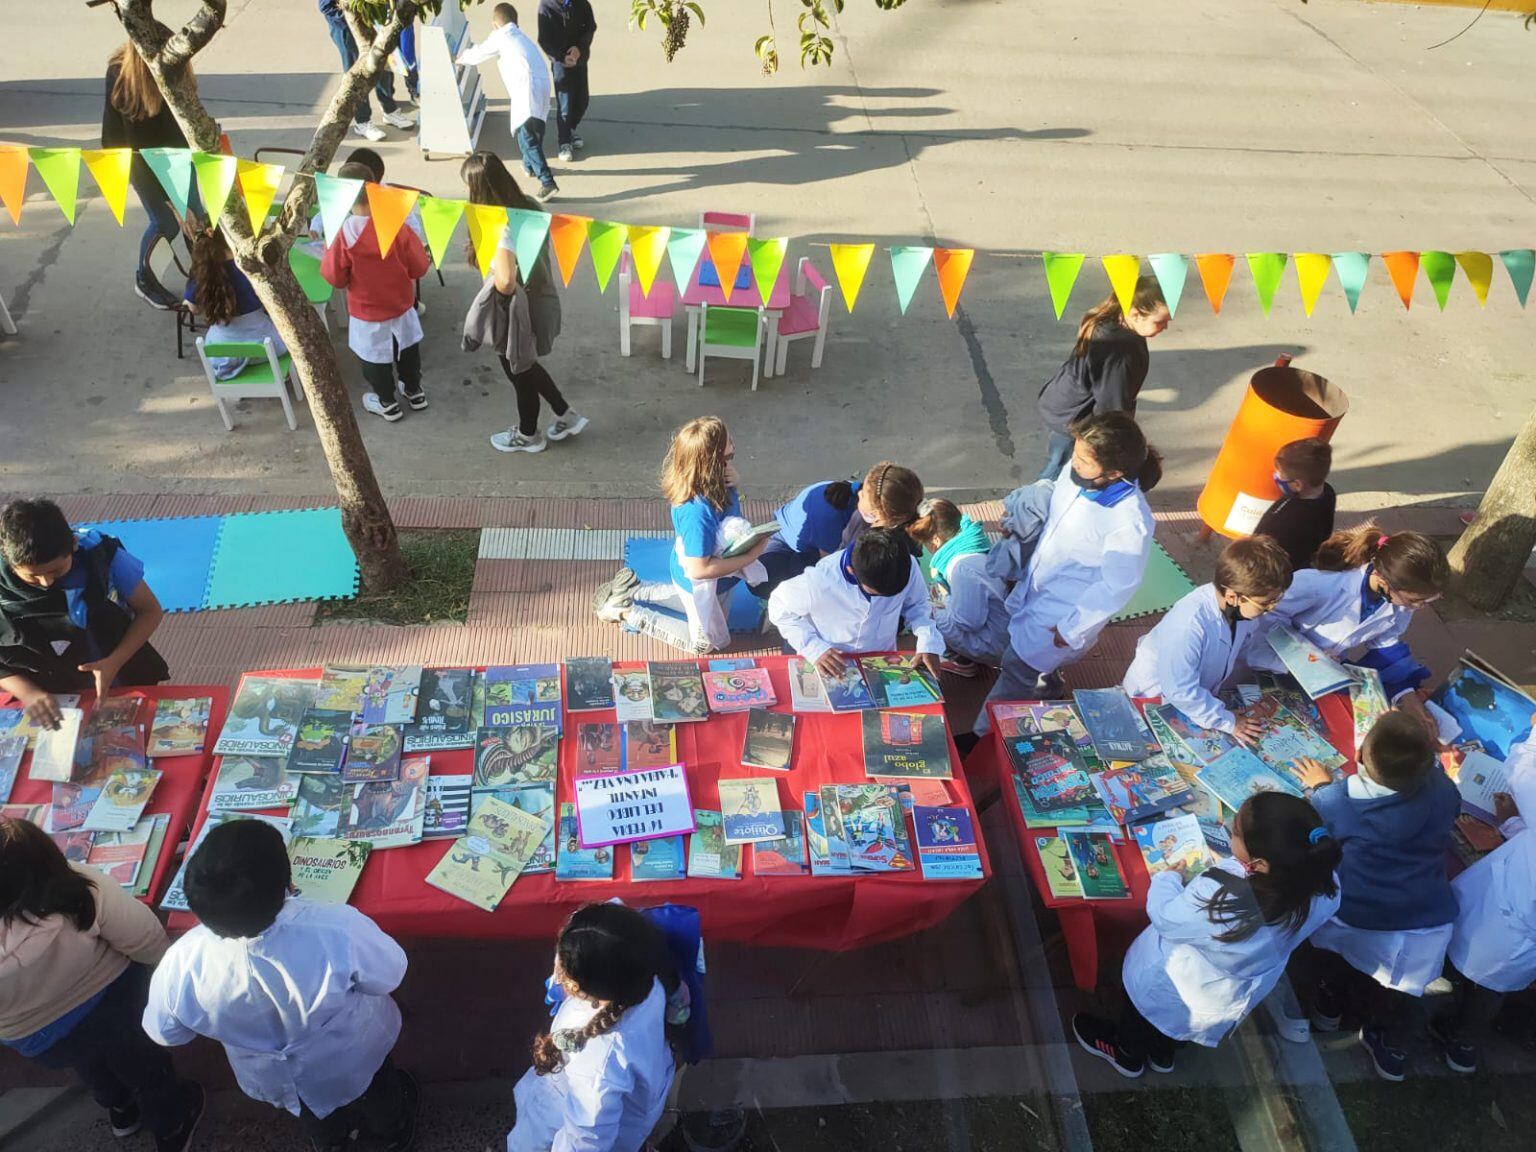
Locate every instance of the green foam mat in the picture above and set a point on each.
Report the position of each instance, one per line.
(279, 557)
(1163, 586)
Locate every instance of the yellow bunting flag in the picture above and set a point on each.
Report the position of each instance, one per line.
(726, 252)
(1478, 267)
(1215, 275)
(486, 222)
(567, 234)
(648, 247)
(109, 167)
(215, 178)
(389, 206)
(953, 265)
(1123, 272)
(1404, 268)
(1311, 274)
(13, 180)
(258, 184)
(849, 263)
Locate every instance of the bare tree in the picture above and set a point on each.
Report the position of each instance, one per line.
(1491, 555)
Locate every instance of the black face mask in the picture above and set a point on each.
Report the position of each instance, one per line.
(1232, 614)
(1083, 482)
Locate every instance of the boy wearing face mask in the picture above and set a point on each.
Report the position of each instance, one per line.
(1303, 516)
(1197, 646)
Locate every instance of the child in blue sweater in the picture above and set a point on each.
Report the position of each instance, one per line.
(1393, 820)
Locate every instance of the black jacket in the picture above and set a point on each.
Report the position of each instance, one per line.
(117, 131)
(1106, 378)
(566, 24)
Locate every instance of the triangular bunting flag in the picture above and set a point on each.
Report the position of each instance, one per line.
(215, 177)
(1478, 267)
(907, 267)
(1440, 270)
(60, 170)
(647, 247)
(726, 252)
(849, 263)
(1170, 268)
(1267, 268)
(258, 184)
(1061, 269)
(1351, 269)
(606, 240)
(1404, 267)
(486, 223)
(568, 234)
(1215, 270)
(529, 231)
(439, 218)
(1520, 263)
(684, 247)
(953, 265)
(13, 180)
(109, 167)
(767, 258)
(173, 168)
(336, 198)
(389, 206)
(1123, 271)
(1311, 274)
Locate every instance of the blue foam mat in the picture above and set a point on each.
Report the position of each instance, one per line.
(177, 555)
(649, 560)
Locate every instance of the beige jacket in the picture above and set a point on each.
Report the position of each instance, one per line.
(48, 968)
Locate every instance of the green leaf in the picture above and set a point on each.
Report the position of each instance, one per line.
(696, 10)
(764, 43)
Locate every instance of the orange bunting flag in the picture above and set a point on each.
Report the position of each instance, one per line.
(1478, 267)
(568, 235)
(110, 167)
(1404, 267)
(726, 252)
(850, 262)
(647, 248)
(1311, 274)
(1215, 274)
(389, 206)
(1123, 271)
(258, 184)
(13, 179)
(486, 223)
(953, 265)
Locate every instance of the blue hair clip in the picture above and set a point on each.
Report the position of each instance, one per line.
(1318, 834)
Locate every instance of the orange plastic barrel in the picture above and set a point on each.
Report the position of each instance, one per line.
(1282, 404)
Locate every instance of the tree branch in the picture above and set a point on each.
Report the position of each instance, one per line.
(195, 34)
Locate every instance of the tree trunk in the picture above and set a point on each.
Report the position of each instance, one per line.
(1491, 556)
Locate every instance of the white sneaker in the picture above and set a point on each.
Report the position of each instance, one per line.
(512, 440)
(567, 155)
(372, 403)
(571, 424)
(1285, 1013)
(368, 131)
(399, 119)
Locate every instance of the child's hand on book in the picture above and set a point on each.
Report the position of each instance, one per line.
(1248, 731)
(831, 663)
(1313, 774)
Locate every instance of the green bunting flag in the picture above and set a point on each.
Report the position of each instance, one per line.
(439, 218)
(1440, 270)
(215, 177)
(767, 259)
(529, 231)
(60, 170)
(1170, 268)
(1061, 269)
(1267, 268)
(1520, 263)
(1351, 269)
(606, 241)
(684, 247)
(908, 263)
(173, 168)
(336, 198)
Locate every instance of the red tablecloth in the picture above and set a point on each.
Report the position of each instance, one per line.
(823, 912)
(1089, 925)
(178, 790)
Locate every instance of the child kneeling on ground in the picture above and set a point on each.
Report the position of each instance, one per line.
(973, 616)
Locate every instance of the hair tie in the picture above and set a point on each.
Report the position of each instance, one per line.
(1320, 833)
(1381, 541)
(925, 507)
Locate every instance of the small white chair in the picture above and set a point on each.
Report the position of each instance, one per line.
(731, 334)
(637, 309)
(807, 314)
(265, 376)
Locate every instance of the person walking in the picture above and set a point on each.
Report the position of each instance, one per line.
(566, 28)
(525, 73)
(384, 84)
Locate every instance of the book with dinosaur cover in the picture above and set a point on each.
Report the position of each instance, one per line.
(1113, 724)
(341, 688)
(1098, 869)
(946, 843)
(264, 718)
(806, 691)
(389, 813)
(598, 748)
(677, 692)
(749, 810)
(572, 861)
(373, 753)
(391, 695)
(632, 695)
(739, 690)
(663, 859)
(647, 744)
(906, 744)
(447, 807)
(480, 866)
(1060, 872)
(321, 742)
(319, 804)
(709, 856)
(123, 799)
(1141, 790)
(899, 681)
(1175, 844)
(53, 749)
(326, 870)
(523, 694)
(179, 727)
(783, 857)
(538, 800)
(769, 741)
(589, 683)
(1316, 671)
(524, 755)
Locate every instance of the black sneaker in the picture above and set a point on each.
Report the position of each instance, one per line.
(1326, 1013)
(192, 1102)
(1390, 1063)
(1160, 1065)
(417, 399)
(153, 293)
(405, 1137)
(1459, 1057)
(125, 1121)
(1097, 1038)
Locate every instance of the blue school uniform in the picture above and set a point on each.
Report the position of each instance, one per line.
(808, 524)
(697, 524)
(125, 573)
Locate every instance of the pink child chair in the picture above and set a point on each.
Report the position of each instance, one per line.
(728, 221)
(806, 315)
(636, 309)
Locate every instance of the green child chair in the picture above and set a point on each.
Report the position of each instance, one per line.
(732, 334)
(265, 376)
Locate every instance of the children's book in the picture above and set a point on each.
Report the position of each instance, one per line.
(589, 683)
(76, 845)
(1182, 739)
(572, 861)
(123, 799)
(1098, 870)
(870, 817)
(928, 793)
(1212, 816)
(326, 870)
(1316, 671)
(1058, 716)
(770, 740)
(114, 750)
(391, 695)
(1113, 724)
(827, 858)
(509, 756)
(1012, 718)
(521, 694)
(12, 749)
(321, 742)
(748, 539)
(1367, 700)
(1281, 688)
(250, 782)
(906, 744)
(113, 712)
(175, 899)
(14, 722)
(739, 690)
(72, 803)
(647, 744)
(901, 797)
(53, 749)
(442, 716)
(846, 691)
(264, 719)
(477, 702)
(481, 865)
(1175, 844)
(1060, 872)
(538, 800)
(598, 748)
(898, 681)
(121, 854)
(1054, 818)
(1478, 778)
(784, 857)
(373, 753)
(319, 804)
(1236, 775)
(1489, 709)
(731, 663)
(145, 877)
(1287, 738)
(1050, 767)
(632, 695)
(180, 727)
(341, 688)
(665, 858)
(946, 843)
(806, 691)
(677, 691)
(447, 807)
(31, 813)
(389, 813)
(709, 856)
(1142, 790)
(749, 810)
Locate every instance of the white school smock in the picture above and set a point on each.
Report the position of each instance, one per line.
(1086, 567)
(524, 70)
(609, 1095)
(304, 1010)
(1493, 941)
(1325, 608)
(973, 619)
(824, 608)
(1191, 986)
(1190, 654)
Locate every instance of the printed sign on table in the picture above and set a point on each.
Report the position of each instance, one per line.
(628, 806)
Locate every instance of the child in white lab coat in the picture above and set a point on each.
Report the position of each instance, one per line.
(972, 616)
(1088, 563)
(1217, 946)
(1204, 637)
(297, 992)
(1493, 942)
(601, 1074)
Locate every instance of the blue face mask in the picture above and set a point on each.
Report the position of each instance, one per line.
(1287, 487)
(1110, 494)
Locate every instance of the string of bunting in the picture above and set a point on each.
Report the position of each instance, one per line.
(217, 175)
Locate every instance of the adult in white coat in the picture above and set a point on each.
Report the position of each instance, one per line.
(1203, 638)
(1089, 561)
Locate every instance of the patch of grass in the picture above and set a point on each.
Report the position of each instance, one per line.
(442, 563)
(1167, 1119)
(990, 1124)
(1482, 1113)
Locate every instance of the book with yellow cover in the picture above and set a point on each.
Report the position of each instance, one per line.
(325, 870)
(480, 866)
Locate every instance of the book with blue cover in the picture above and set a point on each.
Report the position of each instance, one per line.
(1317, 672)
(869, 817)
(828, 858)
(572, 861)
(1174, 844)
(1050, 768)
(1113, 724)
(1286, 739)
(1236, 775)
(846, 691)
(1141, 790)
(784, 857)
(522, 694)
(749, 809)
(1182, 739)
(899, 681)
(1491, 711)
(665, 858)
(946, 843)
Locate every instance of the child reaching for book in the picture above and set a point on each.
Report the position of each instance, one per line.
(972, 618)
(1393, 819)
(1303, 516)
(297, 992)
(1204, 638)
(601, 1074)
(75, 611)
(1217, 946)
(854, 601)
